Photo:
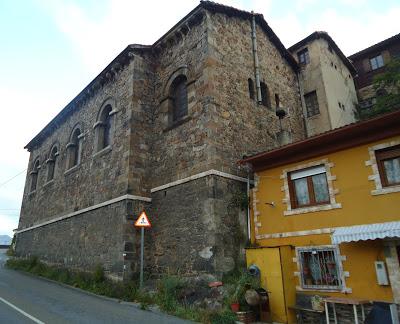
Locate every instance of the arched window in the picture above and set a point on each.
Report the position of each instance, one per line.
(51, 163)
(265, 99)
(178, 94)
(34, 175)
(74, 149)
(103, 128)
(251, 88)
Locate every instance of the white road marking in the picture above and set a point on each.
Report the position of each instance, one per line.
(21, 311)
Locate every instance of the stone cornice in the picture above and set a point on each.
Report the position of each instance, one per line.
(82, 211)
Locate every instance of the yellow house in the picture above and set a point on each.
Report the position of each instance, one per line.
(326, 216)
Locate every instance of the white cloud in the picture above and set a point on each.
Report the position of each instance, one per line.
(98, 40)
(27, 112)
(351, 33)
(7, 224)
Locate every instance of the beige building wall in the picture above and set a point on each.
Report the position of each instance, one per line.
(331, 79)
(339, 87)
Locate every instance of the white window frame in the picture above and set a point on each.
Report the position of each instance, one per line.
(309, 209)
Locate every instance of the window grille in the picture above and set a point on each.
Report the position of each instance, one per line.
(319, 268)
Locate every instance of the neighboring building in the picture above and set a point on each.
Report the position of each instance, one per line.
(326, 79)
(161, 129)
(326, 216)
(371, 62)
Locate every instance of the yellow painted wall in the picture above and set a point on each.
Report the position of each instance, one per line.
(268, 261)
(358, 207)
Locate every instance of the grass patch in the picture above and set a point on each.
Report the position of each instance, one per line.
(167, 296)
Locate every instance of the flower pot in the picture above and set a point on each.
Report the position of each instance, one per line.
(235, 307)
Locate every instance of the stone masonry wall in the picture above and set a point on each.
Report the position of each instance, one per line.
(141, 126)
(240, 125)
(197, 228)
(100, 236)
(81, 241)
(98, 177)
(178, 150)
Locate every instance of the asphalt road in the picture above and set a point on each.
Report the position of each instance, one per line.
(27, 299)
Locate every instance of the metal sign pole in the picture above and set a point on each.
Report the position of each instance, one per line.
(141, 257)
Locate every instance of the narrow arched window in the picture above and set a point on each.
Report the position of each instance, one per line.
(51, 163)
(34, 175)
(74, 149)
(251, 88)
(103, 128)
(265, 99)
(178, 93)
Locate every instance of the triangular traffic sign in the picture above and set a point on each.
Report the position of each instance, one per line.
(143, 221)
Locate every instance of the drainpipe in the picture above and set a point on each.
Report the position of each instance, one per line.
(255, 56)
(248, 206)
(303, 105)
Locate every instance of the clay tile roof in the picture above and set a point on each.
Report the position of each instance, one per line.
(324, 35)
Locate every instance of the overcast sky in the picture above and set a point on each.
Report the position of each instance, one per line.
(51, 49)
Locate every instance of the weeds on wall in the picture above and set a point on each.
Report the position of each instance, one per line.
(167, 296)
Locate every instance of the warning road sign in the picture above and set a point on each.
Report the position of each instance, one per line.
(143, 221)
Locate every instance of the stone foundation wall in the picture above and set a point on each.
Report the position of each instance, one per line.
(83, 241)
(197, 228)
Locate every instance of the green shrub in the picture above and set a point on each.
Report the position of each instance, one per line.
(169, 289)
(63, 276)
(225, 317)
(98, 274)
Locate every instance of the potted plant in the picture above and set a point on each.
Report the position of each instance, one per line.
(233, 300)
(242, 284)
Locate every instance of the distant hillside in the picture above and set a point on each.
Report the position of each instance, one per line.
(5, 240)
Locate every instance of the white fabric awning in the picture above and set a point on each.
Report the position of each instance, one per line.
(365, 232)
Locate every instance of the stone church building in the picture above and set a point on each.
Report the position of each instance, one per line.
(161, 129)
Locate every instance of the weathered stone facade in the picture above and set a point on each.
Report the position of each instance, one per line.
(184, 173)
(329, 74)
